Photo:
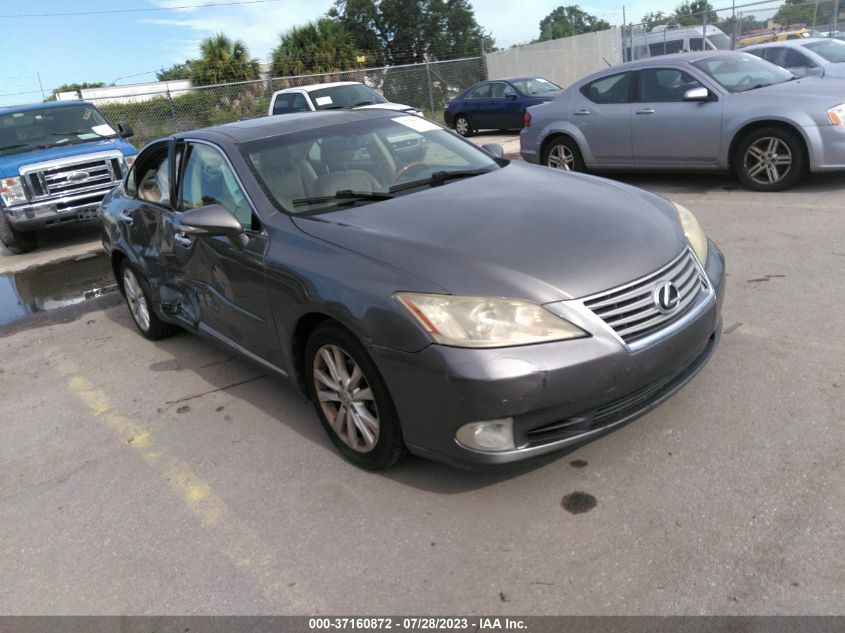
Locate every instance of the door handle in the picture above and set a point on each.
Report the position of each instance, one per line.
(582, 112)
(646, 111)
(127, 218)
(183, 239)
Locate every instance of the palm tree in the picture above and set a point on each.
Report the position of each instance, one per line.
(317, 47)
(222, 61)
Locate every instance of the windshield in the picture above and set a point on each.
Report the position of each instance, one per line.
(720, 41)
(358, 163)
(47, 127)
(741, 72)
(348, 96)
(534, 85)
(832, 50)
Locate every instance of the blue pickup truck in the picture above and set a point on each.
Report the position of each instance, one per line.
(57, 162)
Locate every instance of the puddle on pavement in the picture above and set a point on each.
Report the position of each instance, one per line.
(54, 286)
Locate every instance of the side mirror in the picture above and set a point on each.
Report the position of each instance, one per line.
(511, 95)
(697, 94)
(495, 149)
(211, 221)
(125, 130)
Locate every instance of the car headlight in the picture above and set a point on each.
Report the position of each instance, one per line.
(486, 321)
(696, 236)
(837, 114)
(130, 160)
(11, 189)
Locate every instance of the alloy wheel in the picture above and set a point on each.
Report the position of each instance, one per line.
(136, 299)
(561, 157)
(462, 126)
(345, 398)
(767, 160)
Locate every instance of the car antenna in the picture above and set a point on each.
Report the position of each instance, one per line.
(605, 61)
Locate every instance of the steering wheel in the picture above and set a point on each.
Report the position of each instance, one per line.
(406, 169)
(745, 81)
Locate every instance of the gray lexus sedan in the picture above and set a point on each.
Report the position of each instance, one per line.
(716, 110)
(427, 295)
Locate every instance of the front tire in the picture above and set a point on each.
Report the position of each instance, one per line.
(16, 242)
(351, 399)
(462, 126)
(563, 154)
(770, 159)
(136, 291)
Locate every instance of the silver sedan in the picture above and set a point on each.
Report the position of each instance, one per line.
(812, 56)
(715, 110)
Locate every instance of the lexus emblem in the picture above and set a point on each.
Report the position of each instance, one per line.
(78, 176)
(666, 297)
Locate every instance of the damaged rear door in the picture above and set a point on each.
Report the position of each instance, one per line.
(222, 284)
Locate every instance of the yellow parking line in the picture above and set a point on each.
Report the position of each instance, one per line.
(242, 545)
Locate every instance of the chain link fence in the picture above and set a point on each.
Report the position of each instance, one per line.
(734, 27)
(166, 109)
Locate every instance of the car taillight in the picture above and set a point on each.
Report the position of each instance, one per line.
(526, 119)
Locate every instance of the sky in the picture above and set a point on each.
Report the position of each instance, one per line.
(148, 35)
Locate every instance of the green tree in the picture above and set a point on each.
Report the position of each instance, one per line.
(650, 20)
(70, 87)
(318, 47)
(222, 60)
(691, 13)
(176, 71)
(568, 21)
(411, 31)
(798, 12)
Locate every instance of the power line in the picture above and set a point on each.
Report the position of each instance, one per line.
(143, 10)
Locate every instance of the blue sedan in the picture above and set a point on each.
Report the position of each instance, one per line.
(497, 104)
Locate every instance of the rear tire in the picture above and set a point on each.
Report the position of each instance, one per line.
(136, 291)
(17, 242)
(563, 153)
(462, 126)
(770, 159)
(351, 399)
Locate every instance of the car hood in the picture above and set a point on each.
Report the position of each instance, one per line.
(521, 231)
(805, 87)
(9, 165)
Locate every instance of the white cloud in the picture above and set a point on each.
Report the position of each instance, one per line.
(258, 25)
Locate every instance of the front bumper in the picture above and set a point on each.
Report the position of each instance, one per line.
(48, 213)
(558, 394)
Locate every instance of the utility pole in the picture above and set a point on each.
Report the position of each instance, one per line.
(815, 14)
(43, 98)
(624, 36)
(733, 19)
(835, 18)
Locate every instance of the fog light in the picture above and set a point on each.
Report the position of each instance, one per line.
(490, 435)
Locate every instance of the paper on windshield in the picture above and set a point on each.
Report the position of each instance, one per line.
(416, 123)
(103, 130)
(545, 81)
(321, 101)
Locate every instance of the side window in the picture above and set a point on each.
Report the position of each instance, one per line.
(796, 59)
(497, 90)
(674, 46)
(696, 44)
(666, 85)
(611, 89)
(208, 179)
(299, 103)
(482, 92)
(152, 177)
(130, 187)
(773, 54)
(282, 104)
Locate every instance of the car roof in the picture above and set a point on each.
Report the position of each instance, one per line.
(309, 87)
(40, 106)
(790, 43)
(268, 126)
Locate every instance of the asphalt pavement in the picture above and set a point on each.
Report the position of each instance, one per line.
(175, 478)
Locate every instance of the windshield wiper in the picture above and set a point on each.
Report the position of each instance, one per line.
(438, 178)
(345, 196)
(363, 103)
(23, 145)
